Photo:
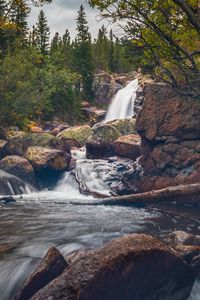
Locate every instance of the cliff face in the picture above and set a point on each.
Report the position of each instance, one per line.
(169, 125)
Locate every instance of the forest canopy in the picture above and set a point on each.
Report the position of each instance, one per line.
(164, 35)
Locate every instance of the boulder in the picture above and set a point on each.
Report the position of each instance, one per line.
(93, 114)
(133, 267)
(12, 185)
(51, 266)
(79, 133)
(105, 133)
(170, 148)
(2, 144)
(19, 167)
(187, 246)
(19, 145)
(10, 132)
(171, 116)
(46, 159)
(128, 146)
(101, 143)
(124, 126)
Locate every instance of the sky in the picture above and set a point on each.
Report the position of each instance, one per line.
(62, 14)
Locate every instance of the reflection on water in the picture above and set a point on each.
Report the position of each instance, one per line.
(30, 227)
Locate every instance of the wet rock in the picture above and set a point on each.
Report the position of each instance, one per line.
(128, 146)
(170, 138)
(10, 184)
(79, 133)
(105, 133)
(187, 246)
(124, 126)
(19, 167)
(2, 144)
(19, 145)
(133, 267)
(52, 265)
(48, 159)
(99, 150)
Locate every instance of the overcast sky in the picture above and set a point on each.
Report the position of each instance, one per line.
(62, 15)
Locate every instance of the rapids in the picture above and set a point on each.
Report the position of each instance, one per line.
(39, 220)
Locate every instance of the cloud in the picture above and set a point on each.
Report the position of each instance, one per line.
(62, 14)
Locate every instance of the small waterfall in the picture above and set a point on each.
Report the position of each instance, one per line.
(122, 105)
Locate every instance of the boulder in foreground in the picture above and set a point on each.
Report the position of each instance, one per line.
(52, 265)
(128, 146)
(136, 267)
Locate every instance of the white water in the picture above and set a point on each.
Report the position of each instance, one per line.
(122, 105)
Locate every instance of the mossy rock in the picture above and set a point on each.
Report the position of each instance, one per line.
(104, 134)
(124, 126)
(80, 134)
(19, 144)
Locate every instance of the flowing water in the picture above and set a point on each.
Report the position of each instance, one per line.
(39, 220)
(122, 105)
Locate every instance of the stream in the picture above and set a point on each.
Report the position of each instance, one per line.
(39, 220)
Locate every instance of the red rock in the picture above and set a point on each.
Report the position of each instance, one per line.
(128, 146)
(133, 267)
(52, 265)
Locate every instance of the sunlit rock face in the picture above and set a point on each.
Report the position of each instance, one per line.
(169, 126)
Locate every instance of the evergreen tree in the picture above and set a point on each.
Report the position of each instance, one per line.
(67, 48)
(101, 50)
(83, 59)
(42, 34)
(3, 31)
(18, 15)
(55, 43)
(111, 53)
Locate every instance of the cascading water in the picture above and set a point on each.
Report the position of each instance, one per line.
(122, 105)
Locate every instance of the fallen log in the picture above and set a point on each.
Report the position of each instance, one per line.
(188, 194)
(185, 194)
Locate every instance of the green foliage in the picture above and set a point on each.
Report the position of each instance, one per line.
(82, 54)
(42, 34)
(161, 33)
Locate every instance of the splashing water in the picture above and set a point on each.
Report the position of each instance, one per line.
(122, 105)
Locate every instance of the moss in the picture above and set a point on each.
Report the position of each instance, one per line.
(81, 134)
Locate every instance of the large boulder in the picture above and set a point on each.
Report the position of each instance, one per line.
(187, 246)
(2, 144)
(48, 159)
(79, 133)
(10, 132)
(101, 142)
(133, 267)
(169, 126)
(51, 266)
(128, 146)
(124, 126)
(18, 145)
(19, 167)
(12, 185)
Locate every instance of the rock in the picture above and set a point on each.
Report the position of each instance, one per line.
(52, 265)
(35, 129)
(105, 88)
(101, 143)
(51, 125)
(85, 104)
(124, 126)
(124, 269)
(99, 150)
(170, 115)
(80, 134)
(48, 159)
(12, 185)
(105, 133)
(170, 151)
(128, 146)
(187, 246)
(11, 132)
(19, 145)
(2, 144)
(19, 167)
(93, 114)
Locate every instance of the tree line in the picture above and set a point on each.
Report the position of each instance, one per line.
(40, 77)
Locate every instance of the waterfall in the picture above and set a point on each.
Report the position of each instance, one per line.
(122, 105)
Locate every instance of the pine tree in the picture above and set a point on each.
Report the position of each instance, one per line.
(111, 53)
(42, 34)
(55, 43)
(18, 15)
(3, 31)
(83, 60)
(101, 49)
(67, 48)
